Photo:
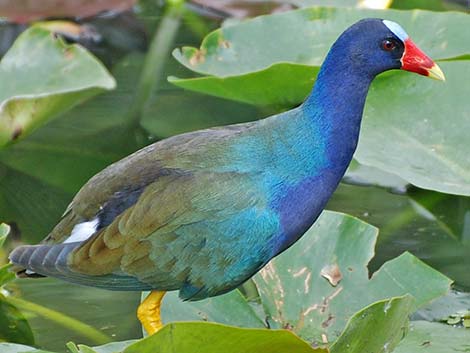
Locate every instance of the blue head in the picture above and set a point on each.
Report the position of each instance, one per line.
(364, 50)
(373, 45)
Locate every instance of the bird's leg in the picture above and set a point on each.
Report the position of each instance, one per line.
(148, 312)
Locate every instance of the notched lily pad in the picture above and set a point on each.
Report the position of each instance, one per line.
(305, 36)
(183, 337)
(431, 337)
(257, 87)
(376, 328)
(41, 77)
(230, 309)
(295, 293)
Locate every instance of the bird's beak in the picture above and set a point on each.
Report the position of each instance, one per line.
(415, 60)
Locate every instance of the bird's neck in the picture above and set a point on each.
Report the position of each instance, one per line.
(336, 104)
(334, 110)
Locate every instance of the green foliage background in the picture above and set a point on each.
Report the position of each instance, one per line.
(64, 117)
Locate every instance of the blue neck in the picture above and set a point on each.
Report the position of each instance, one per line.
(336, 104)
(333, 109)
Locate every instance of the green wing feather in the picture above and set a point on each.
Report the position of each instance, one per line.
(185, 229)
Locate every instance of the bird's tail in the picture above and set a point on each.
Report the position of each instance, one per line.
(51, 260)
(42, 260)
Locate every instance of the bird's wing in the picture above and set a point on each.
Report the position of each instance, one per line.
(202, 233)
(118, 186)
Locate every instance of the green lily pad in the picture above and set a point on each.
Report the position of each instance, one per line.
(454, 304)
(43, 77)
(422, 141)
(358, 174)
(432, 337)
(387, 319)
(320, 282)
(192, 337)
(259, 87)
(112, 347)
(305, 36)
(230, 309)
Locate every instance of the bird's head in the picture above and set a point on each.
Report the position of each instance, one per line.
(376, 45)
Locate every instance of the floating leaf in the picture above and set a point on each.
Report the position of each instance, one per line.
(112, 347)
(305, 36)
(44, 77)
(432, 337)
(231, 309)
(184, 337)
(387, 320)
(295, 294)
(450, 305)
(417, 142)
(358, 174)
(259, 87)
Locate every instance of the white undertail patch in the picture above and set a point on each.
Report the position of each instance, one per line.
(82, 231)
(396, 30)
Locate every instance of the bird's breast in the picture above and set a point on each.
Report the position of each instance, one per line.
(298, 205)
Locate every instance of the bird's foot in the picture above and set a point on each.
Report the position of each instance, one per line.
(148, 312)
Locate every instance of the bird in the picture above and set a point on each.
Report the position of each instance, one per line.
(203, 211)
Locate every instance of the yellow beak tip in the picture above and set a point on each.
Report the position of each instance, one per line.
(436, 73)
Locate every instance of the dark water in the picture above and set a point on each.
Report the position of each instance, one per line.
(433, 226)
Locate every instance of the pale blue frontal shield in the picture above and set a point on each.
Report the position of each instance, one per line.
(396, 29)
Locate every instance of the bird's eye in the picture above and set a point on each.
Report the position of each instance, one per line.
(388, 44)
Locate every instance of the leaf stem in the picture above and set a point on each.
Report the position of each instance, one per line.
(73, 324)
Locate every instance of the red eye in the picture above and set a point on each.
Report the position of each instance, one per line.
(388, 45)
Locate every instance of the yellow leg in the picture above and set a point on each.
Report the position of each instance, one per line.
(148, 312)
